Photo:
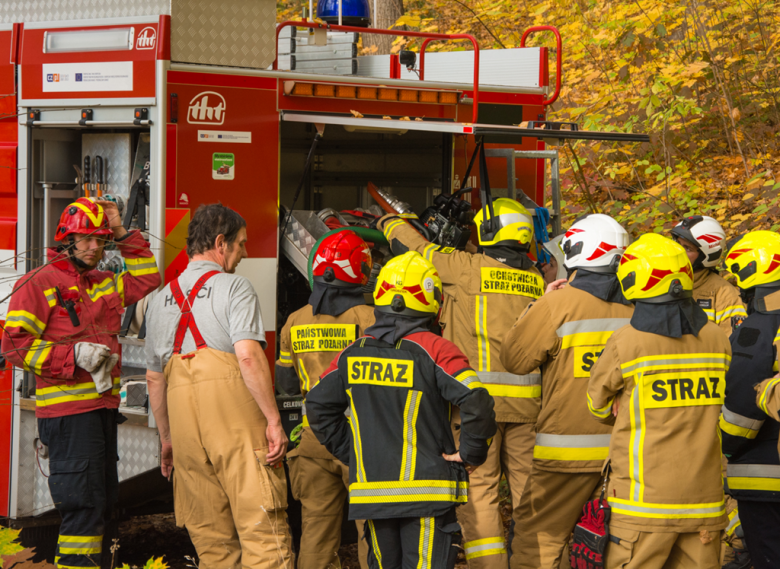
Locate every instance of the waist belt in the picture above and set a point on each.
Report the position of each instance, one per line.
(506, 378)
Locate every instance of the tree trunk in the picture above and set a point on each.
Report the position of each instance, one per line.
(387, 11)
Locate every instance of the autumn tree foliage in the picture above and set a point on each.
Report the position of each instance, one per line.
(701, 77)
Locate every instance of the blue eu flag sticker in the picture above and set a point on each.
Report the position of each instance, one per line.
(78, 76)
(49, 77)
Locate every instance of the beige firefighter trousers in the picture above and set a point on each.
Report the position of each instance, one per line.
(549, 509)
(480, 518)
(646, 550)
(231, 502)
(320, 484)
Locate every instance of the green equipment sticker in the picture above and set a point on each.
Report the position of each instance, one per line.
(223, 166)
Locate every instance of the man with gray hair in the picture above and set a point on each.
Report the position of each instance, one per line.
(211, 393)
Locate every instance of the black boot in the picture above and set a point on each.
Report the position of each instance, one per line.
(741, 560)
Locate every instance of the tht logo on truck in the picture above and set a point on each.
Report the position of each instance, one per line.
(200, 111)
(146, 38)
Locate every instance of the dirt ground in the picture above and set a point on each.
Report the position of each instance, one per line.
(153, 536)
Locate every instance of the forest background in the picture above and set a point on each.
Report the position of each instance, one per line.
(702, 77)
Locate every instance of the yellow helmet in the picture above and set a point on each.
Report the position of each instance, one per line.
(512, 224)
(755, 259)
(408, 285)
(655, 269)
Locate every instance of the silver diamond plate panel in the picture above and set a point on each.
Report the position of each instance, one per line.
(240, 33)
(139, 450)
(133, 354)
(116, 151)
(55, 10)
(28, 470)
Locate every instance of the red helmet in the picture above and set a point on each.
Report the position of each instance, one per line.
(342, 259)
(84, 217)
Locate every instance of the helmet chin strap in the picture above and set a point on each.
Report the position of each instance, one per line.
(74, 259)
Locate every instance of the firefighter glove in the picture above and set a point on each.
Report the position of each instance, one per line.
(591, 535)
(90, 356)
(102, 375)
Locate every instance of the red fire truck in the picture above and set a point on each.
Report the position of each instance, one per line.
(186, 104)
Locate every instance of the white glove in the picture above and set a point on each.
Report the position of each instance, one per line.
(102, 375)
(90, 356)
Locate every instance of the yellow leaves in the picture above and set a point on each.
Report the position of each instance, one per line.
(156, 563)
(747, 197)
(408, 20)
(695, 67)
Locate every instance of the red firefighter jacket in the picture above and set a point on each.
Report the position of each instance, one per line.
(40, 337)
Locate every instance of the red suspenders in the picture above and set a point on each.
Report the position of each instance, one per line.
(187, 321)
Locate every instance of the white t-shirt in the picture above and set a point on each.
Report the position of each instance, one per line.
(225, 311)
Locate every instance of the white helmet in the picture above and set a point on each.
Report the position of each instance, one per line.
(595, 242)
(553, 247)
(708, 236)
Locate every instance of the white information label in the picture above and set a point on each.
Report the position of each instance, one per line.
(82, 77)
(224, 136)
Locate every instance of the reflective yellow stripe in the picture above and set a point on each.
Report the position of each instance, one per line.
(409, 453)
(552, 453)
(375, 543)
(37, 355)
(120, 286)
(516, 391)
(736, 430)
(729, 312)
(26, 320)
(80, 539)
(49, 396)
(51, 296)
(389, 227)
(637, 439)
(571, 447)
(428, 251)
(484, 547)
(305, 376)
(676, 361)
(285, 357)
(600, 412)
(586, 339)
(764, 399)
(141, 266)
(483, 341)
(734, 522)
(667, 511)
(425, 551)
(469, 378)
(357, 443)
(754, 483)
(80, 544)
(412, 491)
(103, 288)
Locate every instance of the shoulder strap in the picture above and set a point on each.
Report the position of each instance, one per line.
(187, 322)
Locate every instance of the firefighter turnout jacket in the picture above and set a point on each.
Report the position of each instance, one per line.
(750, 438)
(484, 298)
(400, 399)
(308, 344)
(665, 450)
(40, 336)
(564, 332)
(719, 299)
